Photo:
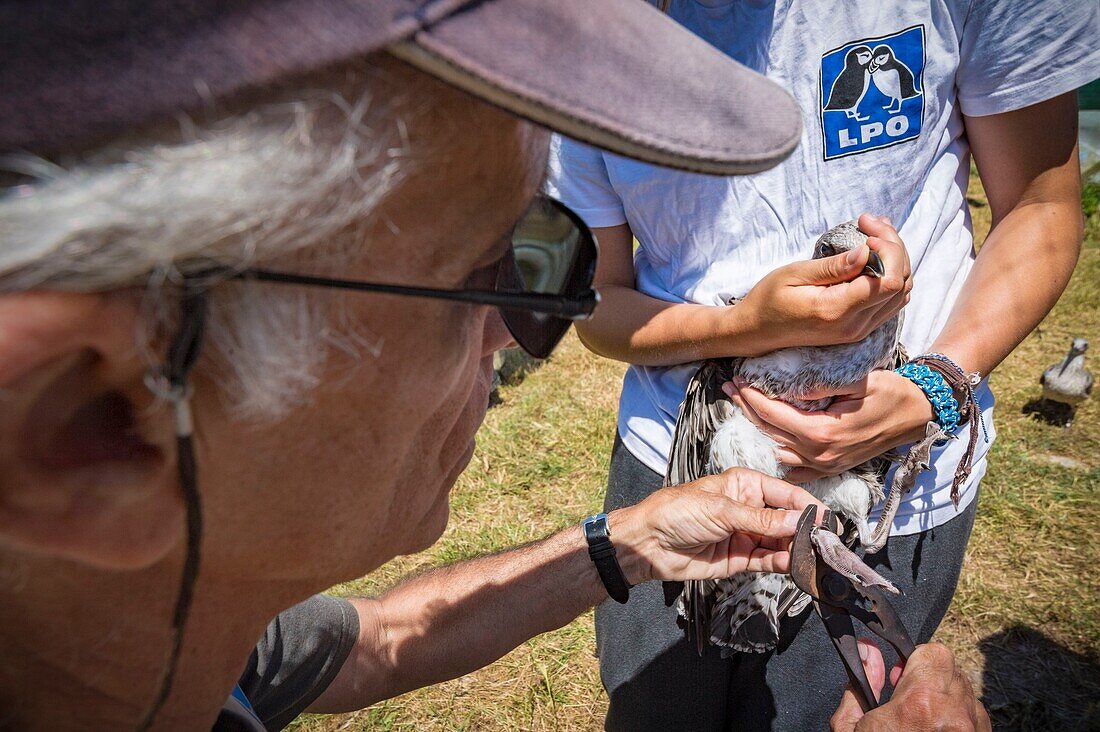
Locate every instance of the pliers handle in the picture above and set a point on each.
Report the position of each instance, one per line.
(837, 599)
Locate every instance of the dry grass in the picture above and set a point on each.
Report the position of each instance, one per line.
(1026, 619)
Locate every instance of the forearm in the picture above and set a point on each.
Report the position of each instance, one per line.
(1020, 272)
(1028, 162)
(633, 327)
(456, 619)
(814, 302)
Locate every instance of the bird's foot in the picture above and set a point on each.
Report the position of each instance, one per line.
(833, 552)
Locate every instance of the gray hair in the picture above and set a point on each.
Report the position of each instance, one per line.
(282, 179)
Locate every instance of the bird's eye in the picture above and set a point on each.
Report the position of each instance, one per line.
(827, 250)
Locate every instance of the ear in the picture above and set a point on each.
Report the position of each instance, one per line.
(87, 463)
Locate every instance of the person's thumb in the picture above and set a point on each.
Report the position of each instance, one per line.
(738, 518)
(848, 714)
(843, 267)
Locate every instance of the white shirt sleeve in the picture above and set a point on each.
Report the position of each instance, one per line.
(1015, 53)
(577, 176)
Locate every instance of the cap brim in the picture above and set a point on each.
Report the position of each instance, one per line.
(617, 74)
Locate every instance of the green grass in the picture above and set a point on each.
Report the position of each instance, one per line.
(1025, 621)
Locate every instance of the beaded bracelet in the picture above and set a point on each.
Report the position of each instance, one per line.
(939, 393)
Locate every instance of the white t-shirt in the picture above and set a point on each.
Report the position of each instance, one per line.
(882, 87)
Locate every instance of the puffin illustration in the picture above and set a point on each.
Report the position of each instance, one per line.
(851, 85)
(891, 77)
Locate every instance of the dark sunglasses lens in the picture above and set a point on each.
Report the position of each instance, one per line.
(553, 253)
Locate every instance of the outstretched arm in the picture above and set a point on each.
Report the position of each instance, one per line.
(459, 618)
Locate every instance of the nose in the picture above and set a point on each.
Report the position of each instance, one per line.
(495, 335)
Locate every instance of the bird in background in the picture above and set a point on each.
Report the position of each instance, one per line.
(1068, 383)
(742, 613)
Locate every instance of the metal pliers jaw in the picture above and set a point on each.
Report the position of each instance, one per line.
(837, 599)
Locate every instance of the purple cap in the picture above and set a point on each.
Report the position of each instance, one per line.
(614, 73)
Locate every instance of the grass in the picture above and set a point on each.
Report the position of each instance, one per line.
(1025, 622)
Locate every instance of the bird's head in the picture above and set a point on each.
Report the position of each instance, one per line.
(858, 56)
(882, 56)
(844, 238)
(1080, 345)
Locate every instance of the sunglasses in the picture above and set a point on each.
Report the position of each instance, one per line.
(540, 285)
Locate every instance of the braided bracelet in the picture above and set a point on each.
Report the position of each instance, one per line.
(939, 393)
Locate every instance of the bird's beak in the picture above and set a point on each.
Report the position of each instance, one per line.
(875, 267)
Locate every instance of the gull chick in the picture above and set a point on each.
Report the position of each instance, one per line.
(742, 613)
(1068, 382)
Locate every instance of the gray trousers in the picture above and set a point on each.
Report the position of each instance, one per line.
(656, 681)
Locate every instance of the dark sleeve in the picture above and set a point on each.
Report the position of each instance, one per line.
(298, 656)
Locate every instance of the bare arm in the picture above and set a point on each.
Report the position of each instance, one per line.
(1029, 165)
(805, 303)
(454, 620)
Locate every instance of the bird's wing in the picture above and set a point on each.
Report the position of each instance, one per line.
(705, 406)
(746, 611)
(1088, 383)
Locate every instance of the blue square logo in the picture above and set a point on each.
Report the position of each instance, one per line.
(872, 93)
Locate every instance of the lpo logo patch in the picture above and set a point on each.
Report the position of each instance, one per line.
(872, 93)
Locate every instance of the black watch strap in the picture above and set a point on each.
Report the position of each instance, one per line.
(602, 552)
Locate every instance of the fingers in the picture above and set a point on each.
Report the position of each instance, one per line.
(849, 712)
(843, 267)
(766, 560)
(736, 517)
(781, 494)
(780, 415)
(932, 690)
(896, 672)
(884, 240)
(855, 389)
(805, 475)
(757, 490)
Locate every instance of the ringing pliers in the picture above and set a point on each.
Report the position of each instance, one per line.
(837, 599)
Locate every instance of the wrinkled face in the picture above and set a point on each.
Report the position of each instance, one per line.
(363, 472)
(341, 484)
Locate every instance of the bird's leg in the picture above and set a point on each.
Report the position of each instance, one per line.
(916, 461)
(833, 552)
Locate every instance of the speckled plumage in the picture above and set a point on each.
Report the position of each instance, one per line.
(742, 613)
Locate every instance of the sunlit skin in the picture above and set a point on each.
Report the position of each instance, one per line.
(291, 506)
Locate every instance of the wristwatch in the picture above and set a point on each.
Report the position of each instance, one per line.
(602, 553)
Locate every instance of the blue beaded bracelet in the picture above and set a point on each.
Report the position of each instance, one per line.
(938, 392)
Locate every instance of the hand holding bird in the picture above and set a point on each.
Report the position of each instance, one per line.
(742, 612)
(863, 420)
(823, 301)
